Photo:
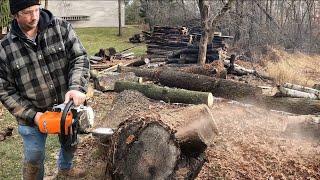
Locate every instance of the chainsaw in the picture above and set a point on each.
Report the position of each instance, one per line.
(64, 120)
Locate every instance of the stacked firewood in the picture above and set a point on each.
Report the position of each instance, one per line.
(167, 41)
(178, 45)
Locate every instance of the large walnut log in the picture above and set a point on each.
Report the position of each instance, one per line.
(166, 94)
(218, 87)
(167, 144)
(195, 125)
(143, 148)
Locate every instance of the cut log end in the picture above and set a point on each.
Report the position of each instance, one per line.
(144, 150)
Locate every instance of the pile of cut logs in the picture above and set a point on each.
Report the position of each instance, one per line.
(178, 45)
(167, 41)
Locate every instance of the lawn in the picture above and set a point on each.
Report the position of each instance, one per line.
(94, 39)
(11, 154)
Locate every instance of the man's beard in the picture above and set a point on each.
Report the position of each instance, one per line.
(30, 25)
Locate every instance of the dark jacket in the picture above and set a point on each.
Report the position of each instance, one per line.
(35, 75)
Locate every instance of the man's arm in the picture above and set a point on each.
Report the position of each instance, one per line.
(78, 61)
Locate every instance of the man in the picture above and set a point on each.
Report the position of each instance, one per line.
(42, 63)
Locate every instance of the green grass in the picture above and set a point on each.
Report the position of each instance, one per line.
(94, 39)
(11, 151)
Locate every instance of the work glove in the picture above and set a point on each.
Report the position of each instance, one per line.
(77, 97)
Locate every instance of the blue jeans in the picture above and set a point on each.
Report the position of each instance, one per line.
(34, 150)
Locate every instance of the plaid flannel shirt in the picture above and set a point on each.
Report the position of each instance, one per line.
(35, 75)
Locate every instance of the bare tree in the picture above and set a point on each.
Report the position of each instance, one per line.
(208, 23)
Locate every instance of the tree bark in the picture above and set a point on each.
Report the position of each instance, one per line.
(166, 94)
(204, 12)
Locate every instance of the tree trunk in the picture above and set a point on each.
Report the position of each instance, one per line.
(166, 94)
(204, 8)
(119, 18)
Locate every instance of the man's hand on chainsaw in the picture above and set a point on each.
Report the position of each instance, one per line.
(37, 117)
(77, 96)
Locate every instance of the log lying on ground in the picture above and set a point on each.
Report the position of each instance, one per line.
(302, 106)
(144, 147)
(311, 92)
(228, 89)
(106, 81)
(240, 71)
(218, 87)
(166, 94)
(287, 92)
(207, 70)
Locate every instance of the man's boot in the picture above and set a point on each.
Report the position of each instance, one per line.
(72, 173)
(30, 171)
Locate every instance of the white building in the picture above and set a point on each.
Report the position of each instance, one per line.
(82, 13)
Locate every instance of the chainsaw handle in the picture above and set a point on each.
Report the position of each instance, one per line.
(64, 116)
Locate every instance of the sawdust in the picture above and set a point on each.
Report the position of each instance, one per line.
(259, 144)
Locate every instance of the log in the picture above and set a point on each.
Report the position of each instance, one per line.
(100, 66)
(106, 82)
(196, 128)
(302, 88)
(287, 92)
(166, 94)
(207, 70)
(301, 106)
(144, 147)
(218, 87)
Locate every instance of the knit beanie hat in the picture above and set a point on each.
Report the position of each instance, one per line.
(18, 5)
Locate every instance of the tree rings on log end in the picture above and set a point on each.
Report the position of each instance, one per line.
(144, 148)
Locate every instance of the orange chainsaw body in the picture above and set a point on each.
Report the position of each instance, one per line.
(49, 122)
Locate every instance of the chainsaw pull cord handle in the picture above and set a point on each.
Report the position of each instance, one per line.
(64, 117)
